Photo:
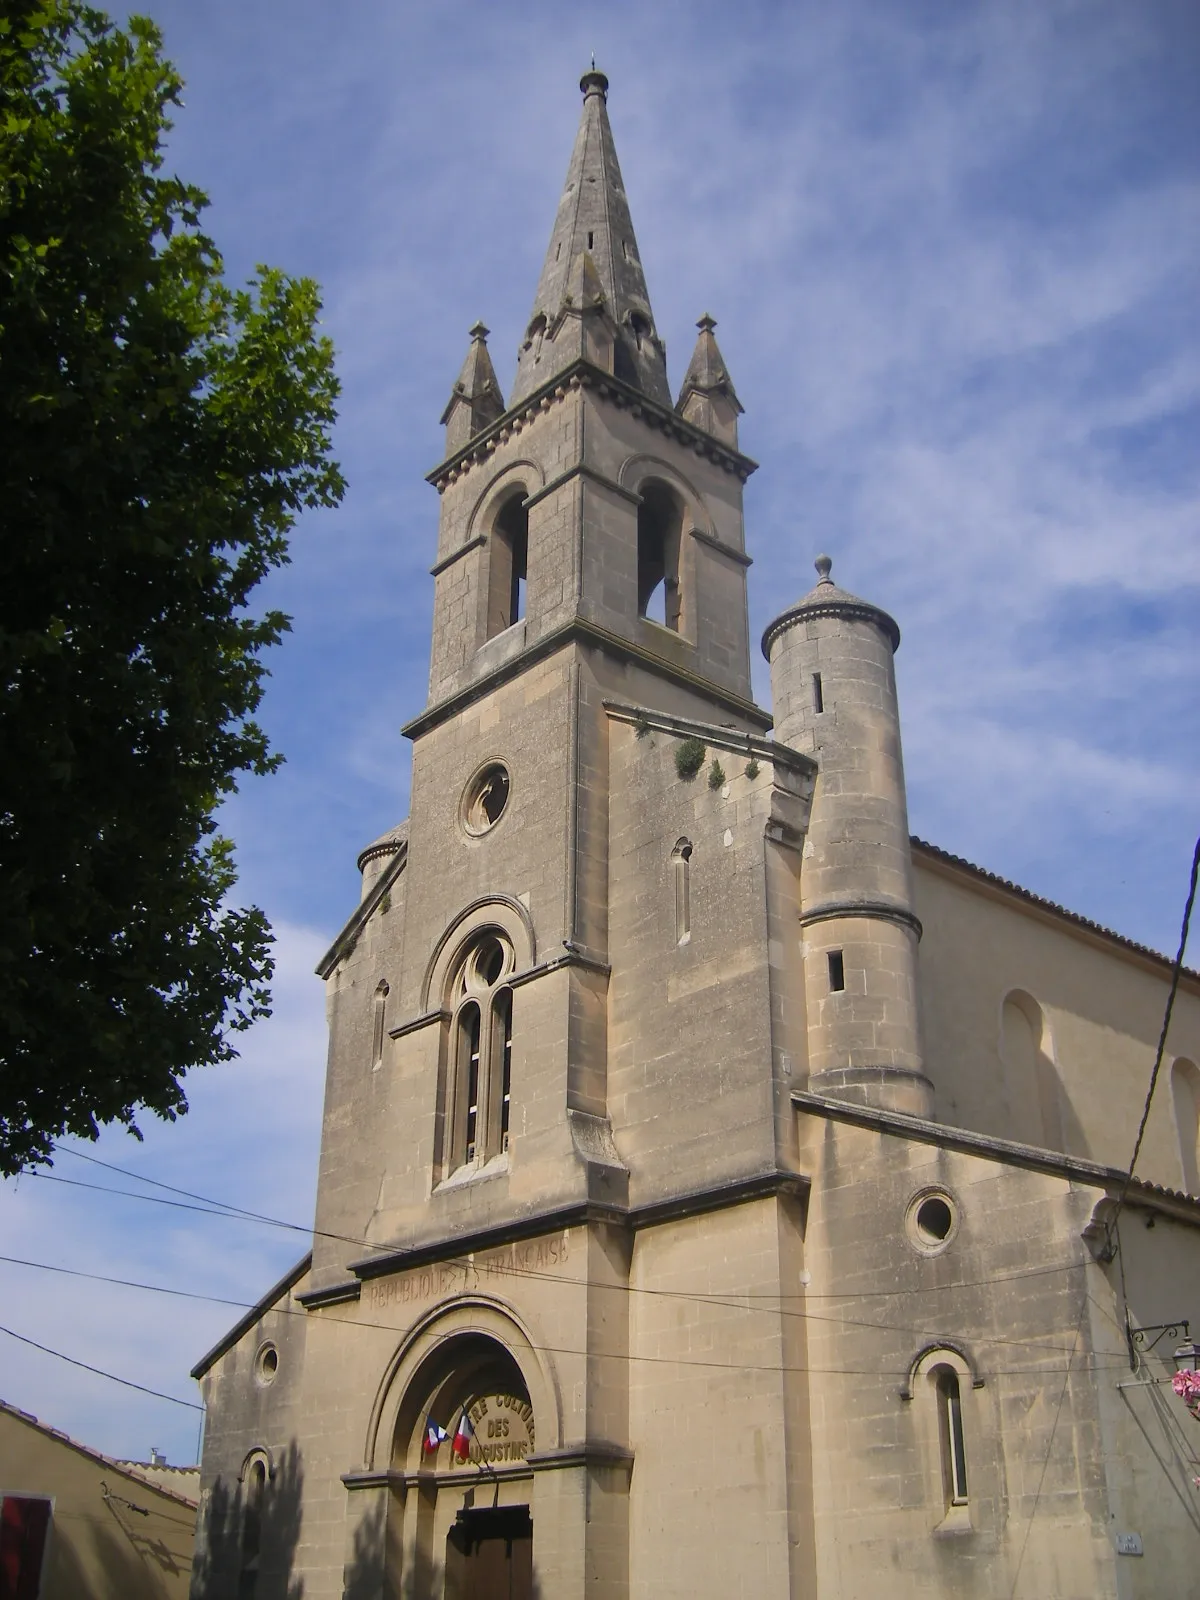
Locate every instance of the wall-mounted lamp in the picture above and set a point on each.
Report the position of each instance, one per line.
(1140, 1343)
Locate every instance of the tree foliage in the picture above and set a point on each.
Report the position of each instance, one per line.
(159, 434)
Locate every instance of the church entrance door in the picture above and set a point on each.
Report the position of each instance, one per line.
(489, 1554)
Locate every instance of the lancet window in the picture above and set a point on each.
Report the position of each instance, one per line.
(509, 564)
(659, 531)
(480, 1077)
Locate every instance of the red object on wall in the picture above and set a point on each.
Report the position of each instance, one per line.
(24, 1522)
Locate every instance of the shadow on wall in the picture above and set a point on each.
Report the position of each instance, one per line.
(361, 1579)
(1163, 1423)
(249, 1532)
(1040, 1111)
(128, 1559)
(1185, 1096)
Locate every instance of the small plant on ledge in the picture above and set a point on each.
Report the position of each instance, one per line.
(716, 774)
(752, 768)
(689, 757)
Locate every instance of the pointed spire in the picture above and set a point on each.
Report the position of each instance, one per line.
(707, 397)
(476, 399)
(593, 220)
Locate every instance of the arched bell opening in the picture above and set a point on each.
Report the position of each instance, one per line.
(463, 1435)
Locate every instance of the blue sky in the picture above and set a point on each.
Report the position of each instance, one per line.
(952, 251)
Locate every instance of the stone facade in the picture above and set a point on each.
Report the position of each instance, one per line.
(718, 1189)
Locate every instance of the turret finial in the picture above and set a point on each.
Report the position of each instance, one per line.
(478, 331)
(594, 82)
(824, 566)
(707, 323)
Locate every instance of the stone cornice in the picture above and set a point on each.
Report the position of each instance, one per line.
(583, 374)
(583, 631)
(900, 1124)
(884, 910)
(738, 557)
(844, 606)
(747, 744)
(650, 1214)
(457, 554)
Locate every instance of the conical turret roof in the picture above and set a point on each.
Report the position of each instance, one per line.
(477, 383)
(827, 600)
(707, 372)
(593, 219)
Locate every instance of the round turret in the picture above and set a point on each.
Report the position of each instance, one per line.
(833, 686)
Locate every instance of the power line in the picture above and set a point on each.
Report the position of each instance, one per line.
(99, 1372)
(720, 1304)
(1176, 970)
(211, 1207)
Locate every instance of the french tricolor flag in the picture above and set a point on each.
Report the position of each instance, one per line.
(435, 1434)
(463, 1435)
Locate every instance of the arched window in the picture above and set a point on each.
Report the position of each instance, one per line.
(479, 1081)
(1185, 1095)
(256, 1483)
(950, 1430)
(508, 565)
(659, 530)
(939, 1385)
(1032, 1077)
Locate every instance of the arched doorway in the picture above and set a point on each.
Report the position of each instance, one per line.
(463, 1436)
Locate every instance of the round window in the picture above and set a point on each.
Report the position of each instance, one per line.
(932, 1221)
(485, 798)
(266, 1363)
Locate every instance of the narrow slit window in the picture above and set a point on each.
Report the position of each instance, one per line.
(469, 1030)
(818, 694)
(837, 971)
(682, 857)
(625, 248)
(504, 1027)
(378, 1024)
(954, 1453)
(591, 236)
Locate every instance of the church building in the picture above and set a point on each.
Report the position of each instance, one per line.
(721, 1192)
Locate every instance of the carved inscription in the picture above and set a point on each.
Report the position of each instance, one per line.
(471, 1274)
(501, 1430)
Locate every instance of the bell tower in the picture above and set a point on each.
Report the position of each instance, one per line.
(590, 554)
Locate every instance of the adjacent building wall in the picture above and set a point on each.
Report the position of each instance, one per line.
(111, 1532)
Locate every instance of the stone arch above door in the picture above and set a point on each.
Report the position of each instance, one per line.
(475, 1343)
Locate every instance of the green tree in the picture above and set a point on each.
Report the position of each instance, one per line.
(159, 434)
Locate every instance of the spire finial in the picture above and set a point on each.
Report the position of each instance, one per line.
(594, 82)
(707, 323)
(824, 566)
(478, 331)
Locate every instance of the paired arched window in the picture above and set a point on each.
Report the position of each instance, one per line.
(659, 537)
(479, 1083)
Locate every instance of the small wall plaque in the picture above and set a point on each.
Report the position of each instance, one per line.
(1129, 1544)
